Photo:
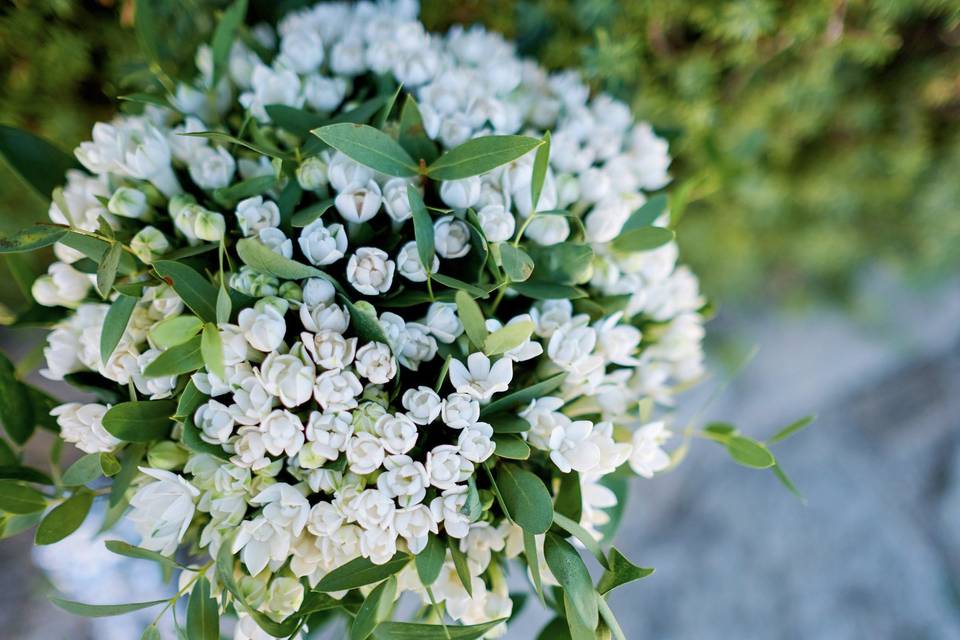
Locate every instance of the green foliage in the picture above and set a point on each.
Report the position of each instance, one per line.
(811, 140)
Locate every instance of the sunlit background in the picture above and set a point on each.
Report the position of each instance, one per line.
(817, 173)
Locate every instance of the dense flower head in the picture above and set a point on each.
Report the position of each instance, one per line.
(365, 376)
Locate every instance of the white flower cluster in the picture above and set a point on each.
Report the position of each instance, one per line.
(321, 443)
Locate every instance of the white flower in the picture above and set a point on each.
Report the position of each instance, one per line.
(570, 447)
(82, 425)
(359, 203)
(365, 453)
(250, 452)
(324, 519)
(284, 506)
(422, 404)
(288, 376)
(343, 172)
(329, 349)
(255, 214)
(282, 433)
(544, 418)
(496, 222)
(236, 349)
(318, 291)
(460, 410)
(370, 271)
(446, 467)
(376, 363)
(323, 245)
(397, 432)
(396, 200)
(404, 479)
(63, 286)
(550, 315)
(158, 387)
(162, 510)
(410, 266)
(212, 167)
(327, 435)
(123, 364)
(209, 226)
(451, 237)
(215, 422)
(648, 457)
(323, 93)
(414, 524)
(548, 230)
(448, 509)
(478, 378)
(61, 354)
(460, 194)
(264, 328)
(251, 402)
(323, 317)
(260, 542)
(337, 390)
(475, 442)
(312, 173)
(374, 509)
(443, 322)
(128, 203)
(284, 598)
(271, 86)
(379, 545)
(301, 50)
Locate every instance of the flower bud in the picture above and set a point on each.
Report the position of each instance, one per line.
(312, 174)
(149, 243)
(128, 203)
(291, 291)
(167, 455)
(209, 226)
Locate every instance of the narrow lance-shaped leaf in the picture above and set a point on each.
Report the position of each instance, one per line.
(541, 162)
(107, 271)
(359, 572)
(258, 256)
(523, 396)
(176, 330)
(370, 147)
(461, 565)
(422, 228)
(570, 571)
(32, 238)
(641, 239)
(39, 163)
(203, 619)
(429, 561)
(16, 498)
(413, 136)
(374, 609)
(122, 548)
(183, 358)
(418, 631)
(195, 290)
(102, 610)
(224, 36)
(620, 571)
(115, 324)
(211, 347)
(472, 318)
(480, 155)
(16, 409)
(791, 429)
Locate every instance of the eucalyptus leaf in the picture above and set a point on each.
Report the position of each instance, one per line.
(245, 189)
(89, 468)
(359, 572)
(223, 37)
(40, 164)
(107, 271)
(585, 537)
(541, 290)
(296, 121)
(140, 421)
(226, 138)
(170, 332)
(65, 518)
(620, 571)
(533, 562)
(96, 248)
(129, 467)
(508, 337)
(115, 324)
(224, 305)
(461, 564)
(260, 257)
(516, 263)
(203, 618)
(641, 239)
(429, 561)
(369, 147)
(480, 155)
(460, 285)
(541, 162)
(750, 453)
(190, 400)
(32, 238)
(16, 409)
(211, 348)
(511, 446)
(195, 290)
(413, 136)
(507, 423)
(523, 396)
(183, 358)
(568, 568)
(525, 497)
(472, 318)
(102, 610)
(21, 500)
(647, 213)
(563, 263)
(418, 631)
(26, 474)
(122, 548)
(363, 319)
(422, 228)
(791, 429)
(305, 216)
(374, 609)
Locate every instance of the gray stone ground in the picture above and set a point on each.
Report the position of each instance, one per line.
(875, 552)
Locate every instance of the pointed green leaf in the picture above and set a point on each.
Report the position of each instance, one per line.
(16, 498)
(245, 189)
(526, 498)
(413, 137)
(140, 421)
(791, 429)
(107, 271)
(541, 162)
(211, 347)
(65, 518)
(223, 38)
(472, 318)
(40, 164)
(507, 423)
(523, 396)
(584, 536)
(480, 155)
(32, 238)
(460, 285)
(641, 239)
(129, 468)
(422, 228)
(196, 291)
(102, 610)
(96, 249)
(541, 290)
(151, 633)
(176, 330)
(508, 337)
(363, 320)
(417, 631)
(203, 619)
(370, 147)
(115, 324)
(258, 256)
(314, 212)
(647, 214)
(750, 453)
(533, 562)
(511, 446)
(16, 409)
(610, 619)
(570, 571)
(122, 548)
(374, 609)
(430, 560)
(563, 263)
(460, 564)
(224, 305)
(620, 571)
(89, 468)
(183, 358)
(227, 139)
(359, 572)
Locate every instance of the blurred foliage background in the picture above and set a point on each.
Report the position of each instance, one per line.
(813, 140)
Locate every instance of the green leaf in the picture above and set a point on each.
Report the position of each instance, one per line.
(750, 453)
(460, 285)
(258, 256)
(422, 228)
(417, 631)
(223, 38)
(65, 518)
(26, 474)
(183, 358)
(211, 348)
(508, 423)
(570, 571)
(787, 482)
(516, 263)
(224, 305)
(511, 446)
(122, 548)
(107, 271)
(556, 629)
(203, 619)
(89, 468)
(151, 633)
(191, 439)
(533, 561)
(129, 468)
(541, 163)
(96, 249)
(141, 97)
(620, 487)
(176, 330)
(429, 561)
(611, 620)
(540, 290)
(305, 216)
(140, 421)
(370, 147)
(584, 536)
(40, 164)
(721, 429)
(196, 291)
(16, 498)
(508, 337)
(363, 319)
(472, 318)
(563, 263)
(16, 410)
(578, 629)
(115, 324)
(480, 155)
(641, 239)
(374, 609)
(296, 121)
(569, 497)
(620, 572)
(245, 189)
(791, 429)
(190, 400)
(647, 214)
(359, 572)
(525, 497)
(460, 564)
(102, 610)
(32, 238)
(413, 136)
(523, 396)
(226, 138)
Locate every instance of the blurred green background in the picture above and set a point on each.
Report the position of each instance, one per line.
(813, 140)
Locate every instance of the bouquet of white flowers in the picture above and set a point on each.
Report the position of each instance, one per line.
(368, 311)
